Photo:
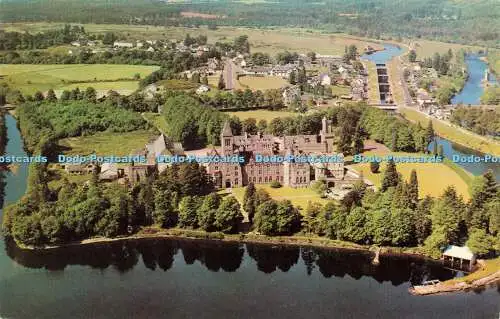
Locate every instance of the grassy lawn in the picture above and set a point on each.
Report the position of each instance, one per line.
(298, 196)
(339, 90)
(119, 144)
(373, 92)
(490, 267)
(426, 174)
(57, 175)
(30, 78)
(393, 69)
(262, 82)
(454, 134)
(156, 120)
(261, 114)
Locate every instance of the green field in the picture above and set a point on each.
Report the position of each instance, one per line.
(262, 82)
(300, 197)
(119, 144)
(427, 174)
(122, 87)
(30, 78)
(261, 114)
(427, 48)
(454, 134)
(339, 90)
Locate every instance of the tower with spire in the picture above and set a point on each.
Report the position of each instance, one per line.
(227, 139)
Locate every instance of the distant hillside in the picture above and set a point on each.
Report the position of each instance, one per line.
(472, 22)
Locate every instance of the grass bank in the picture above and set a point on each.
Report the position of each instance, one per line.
(454, 134)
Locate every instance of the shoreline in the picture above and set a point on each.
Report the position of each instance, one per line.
(454, 285)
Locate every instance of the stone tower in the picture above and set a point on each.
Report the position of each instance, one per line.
(227, 139)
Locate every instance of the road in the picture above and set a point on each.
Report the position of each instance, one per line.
(229, 74)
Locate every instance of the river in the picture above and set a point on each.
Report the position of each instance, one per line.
(473, 88)
(190, 279)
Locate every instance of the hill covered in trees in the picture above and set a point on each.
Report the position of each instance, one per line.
(456, 21)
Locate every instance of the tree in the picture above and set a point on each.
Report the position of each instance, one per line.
(221, 85)
(195, 78)
(413, 189)
(355, 230)
(249, 126)
(320, 187)
(204, 80)
(188, 208)
(38, 96)
(228, 215)
(51, 96)
(429, 133)
(90, 94)
(391, 177)
(374, 167)
(207, 211)
(249, 201)
(65, 95)
(480, 242)
(292, 78)
(412, 56)
(109, 38)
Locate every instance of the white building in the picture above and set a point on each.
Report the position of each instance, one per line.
(118, 44)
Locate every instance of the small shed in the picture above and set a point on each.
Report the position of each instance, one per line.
(454, 254)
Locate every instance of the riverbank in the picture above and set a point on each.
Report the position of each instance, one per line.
(454, 134)
(487, 274)
(250, 238)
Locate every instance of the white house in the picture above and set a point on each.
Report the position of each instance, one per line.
(202, 89)
(150, 49)
(325, 79)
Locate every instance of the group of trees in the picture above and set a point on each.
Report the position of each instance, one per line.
(478, 120)
(395, 133)
(40, 40)
(491, 96)
(181, 195)
(43, 122)
(190, 122)
(170, 59)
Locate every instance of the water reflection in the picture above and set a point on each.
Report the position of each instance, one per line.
(216, 256)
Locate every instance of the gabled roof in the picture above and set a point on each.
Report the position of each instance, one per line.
(226, 130)
(459, 252)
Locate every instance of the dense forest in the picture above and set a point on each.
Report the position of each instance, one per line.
(456, 21)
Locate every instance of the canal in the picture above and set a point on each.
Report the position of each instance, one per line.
(189, 279)
(471, 94)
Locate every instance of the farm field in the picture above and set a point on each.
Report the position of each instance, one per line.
(30, 78)
(427, 48)
(261, 114)
(118, 144)
(156, 120)
(427, 174)
(454, 134)
(300, 197)
(262, 82)
(122, 87)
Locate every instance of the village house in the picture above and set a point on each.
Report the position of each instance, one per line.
(163, 145)
(79, 169)
(325, 79)
(202, 89)
(289, 173)
(291, 94)
(118, 44)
